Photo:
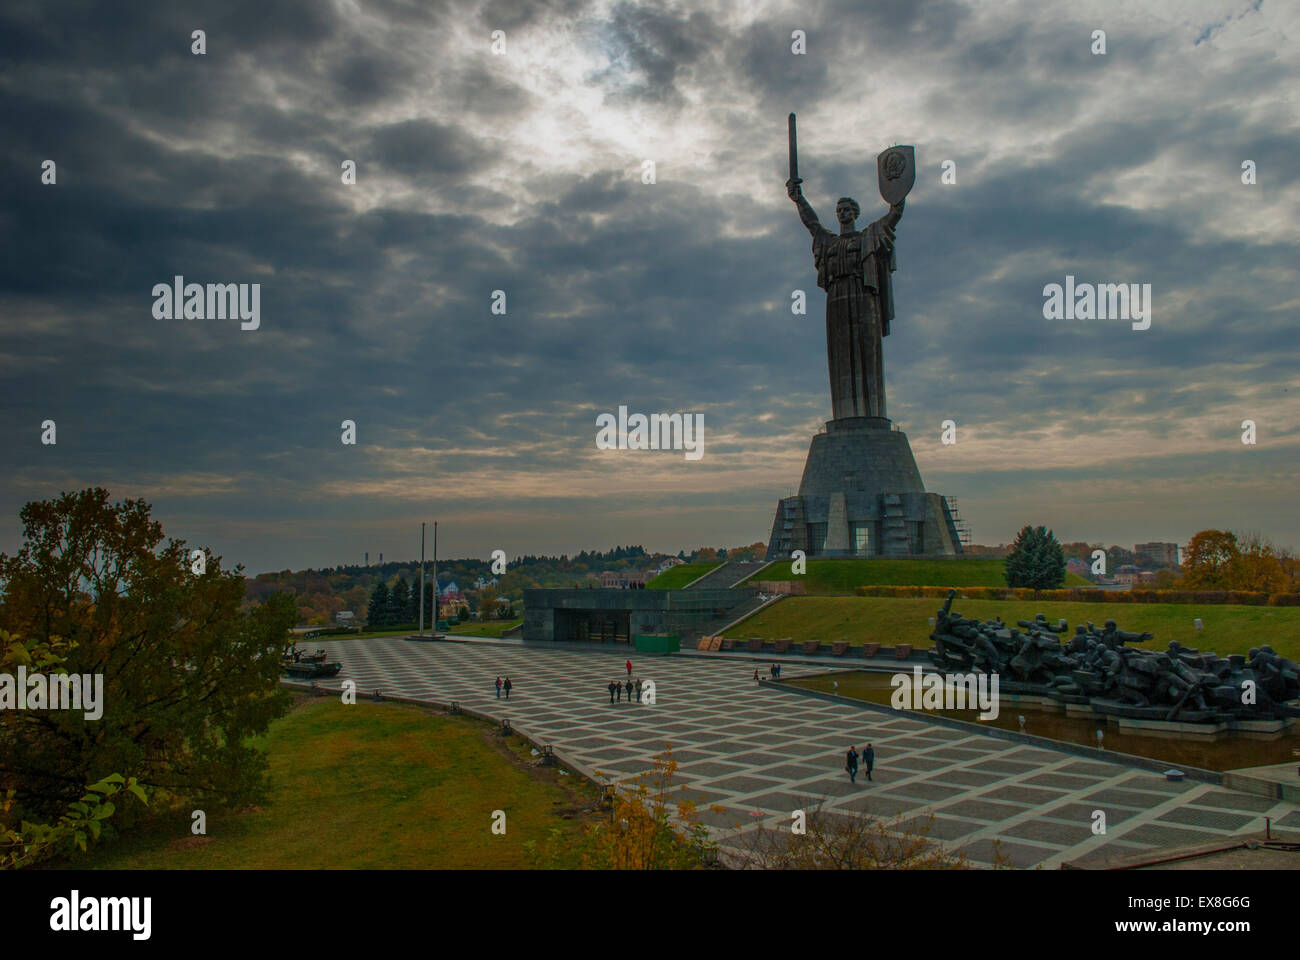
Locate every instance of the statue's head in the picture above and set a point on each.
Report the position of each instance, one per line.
(1110, 625)
(847, 210)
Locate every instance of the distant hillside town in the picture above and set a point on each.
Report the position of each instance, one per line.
(387, 593)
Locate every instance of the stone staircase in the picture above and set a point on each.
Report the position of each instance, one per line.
(897, 542)
(730, 574)
(733, 616)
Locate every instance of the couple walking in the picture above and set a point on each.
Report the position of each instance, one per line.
(868, 761)
(506, 686)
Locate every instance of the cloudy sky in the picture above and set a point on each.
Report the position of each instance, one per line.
(522, 172)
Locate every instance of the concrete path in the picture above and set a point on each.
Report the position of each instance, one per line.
(758, 749)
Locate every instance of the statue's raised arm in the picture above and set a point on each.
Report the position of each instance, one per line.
(806, 212)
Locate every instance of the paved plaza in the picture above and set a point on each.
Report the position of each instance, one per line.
(750, 748)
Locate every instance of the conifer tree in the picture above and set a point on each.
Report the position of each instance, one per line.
(1036, 560)
(377, 612)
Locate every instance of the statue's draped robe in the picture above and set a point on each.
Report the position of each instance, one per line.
(854, 271)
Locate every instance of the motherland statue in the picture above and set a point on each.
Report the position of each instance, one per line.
(853, 267)
(861, 494)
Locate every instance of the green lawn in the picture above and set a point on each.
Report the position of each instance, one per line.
(889, 620)
(485, 628)
(674, 578)
(372, 785)
(844, 576)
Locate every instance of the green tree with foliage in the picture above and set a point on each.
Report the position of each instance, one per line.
(25, 842)
(189, 675)
(1036, 560)
(413, 603)
(399, 601)
(377, 612)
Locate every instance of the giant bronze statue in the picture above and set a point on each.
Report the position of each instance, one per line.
(853, 267)
(861, 492)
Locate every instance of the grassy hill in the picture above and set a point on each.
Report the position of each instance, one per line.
(843, 576)
(674, 578)
(889, 620)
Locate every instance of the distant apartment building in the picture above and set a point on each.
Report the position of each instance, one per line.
(1157, 554)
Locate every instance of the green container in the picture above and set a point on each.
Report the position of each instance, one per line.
(657, 643)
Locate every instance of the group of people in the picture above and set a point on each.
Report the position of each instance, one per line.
(504, 685)
(633, 687)
(773, 671)
(868, 761)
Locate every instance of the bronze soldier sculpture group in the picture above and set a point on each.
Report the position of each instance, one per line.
(1095, 667)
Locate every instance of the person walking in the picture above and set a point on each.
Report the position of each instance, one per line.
(638, 689)
(778, 671)
(851, 764)
(498, 688)
(629, 689)
(756, 673)
(629, 668)
(613, 685)
(618, 688)
(868, 759)
(506, 687)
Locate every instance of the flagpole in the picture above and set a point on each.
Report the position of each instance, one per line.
(421, 578)
(435, 577)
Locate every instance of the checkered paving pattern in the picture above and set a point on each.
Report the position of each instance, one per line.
(757, 750)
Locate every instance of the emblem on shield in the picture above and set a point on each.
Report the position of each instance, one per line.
(896, 168)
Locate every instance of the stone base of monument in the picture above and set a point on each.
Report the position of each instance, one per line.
(1280, 781)
(861, 495)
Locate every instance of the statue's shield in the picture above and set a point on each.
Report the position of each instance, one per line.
(896, 168)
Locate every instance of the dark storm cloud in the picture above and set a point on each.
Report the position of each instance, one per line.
(648, 48)
(666, 297)
(423, 149)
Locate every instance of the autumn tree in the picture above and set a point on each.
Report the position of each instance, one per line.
(1257, 566)
(844, 839)
(1208, 561)
(646, 830)
(189, 675)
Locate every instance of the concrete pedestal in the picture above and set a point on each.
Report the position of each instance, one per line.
(862, 496)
